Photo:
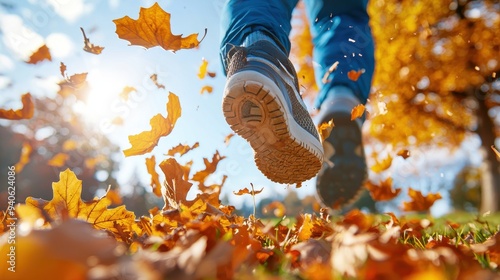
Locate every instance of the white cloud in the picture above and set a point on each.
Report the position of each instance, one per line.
(5, 63)
(70, 10)
(60, 45)
(4, 82)
(18, 38)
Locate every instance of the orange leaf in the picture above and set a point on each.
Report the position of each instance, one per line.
(155, 179)
(228, 138)
(325, 129)
(207, 89)
(380, 166)
(145, 141)
(383, 191)
(357, 111)
(404, 153)
(58, 160)
(39, 55)
(24, 113)
(126, 92)
(154, 78)
(152, 29)
(353, 75)
(24, 158)
(305, 230)
(176, 184)
(88, 46)
(496, 151)
(182, 149)
(419, 202)
(277, 207)
(247, 191)
(210, 167)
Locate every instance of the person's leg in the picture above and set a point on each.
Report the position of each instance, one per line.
(261, 100)
(341, 33)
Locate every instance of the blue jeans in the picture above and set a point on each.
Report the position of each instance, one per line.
(339, 28)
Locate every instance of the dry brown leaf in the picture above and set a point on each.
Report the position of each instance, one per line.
(420, 202)
(154, 78)
(88, 46)
(227, 139)
(383, 191)
(152, 29)
(26, 112)
(404, 153)
(176, 184)
(210, 167)
(182, 149)
(247, 191)
(155, 178)
(145, 141)
(43, 53)
(357, 111)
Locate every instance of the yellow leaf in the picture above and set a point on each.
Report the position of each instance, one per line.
(305, 229)
(145, 141)
(210, 167)
(202, 72)
(382, 165)
(155, 178)
(26, 112)
(207, 89)
(151, 29)
(325, 129)
(176, 184)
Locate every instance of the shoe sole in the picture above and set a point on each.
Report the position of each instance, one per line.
(256, 110)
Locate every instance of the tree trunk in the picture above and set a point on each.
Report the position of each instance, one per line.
(490, 169)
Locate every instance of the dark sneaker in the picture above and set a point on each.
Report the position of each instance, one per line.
(344, 171)
(262, 104)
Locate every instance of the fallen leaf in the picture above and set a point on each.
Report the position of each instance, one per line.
(88, 46)
(383, 191)
(155, 178)
(325, 129)
(207, 89)
(26, 112)
(151, 29)
(126, 92)
(353, 75)
(154, 78)
(176, 184)
(210, 167)
(247, 191)
(58, 160)
(145, 141)
(382, 165)
(357, 111)
(420, 202)
(24, 158)
(182, 149)
(43, 53)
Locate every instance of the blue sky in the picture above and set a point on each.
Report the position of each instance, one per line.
(57, 23)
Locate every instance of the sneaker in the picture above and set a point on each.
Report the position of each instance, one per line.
(262, 104)
(341, 178)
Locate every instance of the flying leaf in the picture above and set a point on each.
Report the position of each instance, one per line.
(207, 89)
(420, 202)
(202, 72)
(404, 153)
(332, 68)
(247, 191)
(26, 112)
(145, 141)
(176, 184)
(126, 92)
(24, 158)
(357, 111)
(496, 151)
(72, 83)
(182, 149)
(382, 165)
(155, 179)
(277, 207)
(58, 160)
(43, 53)
(325, 129)
(210, 167)
(154, 78)
(151, 29)
(228, 138)
(353, 75)
(88, 46)
(383, 191)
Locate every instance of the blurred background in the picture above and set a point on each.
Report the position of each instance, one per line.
(431, 120)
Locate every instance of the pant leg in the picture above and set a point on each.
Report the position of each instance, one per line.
(341, 33)
(242, 17)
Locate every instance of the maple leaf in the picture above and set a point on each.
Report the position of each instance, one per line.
(247, 191)
(26, 112)
(357, 111)
(43, 53)
(325, 129)
(176, 185)
(154, 78)
(152, 29)
(420, 202)
(182, 149)
(126, 92)
(383, 191)
(207, 89)
(58, 160)
(382, 165)
(24, 158)
(210, 167)
(155, 179)
(88, 46)
(353, 75)
(145, 141)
